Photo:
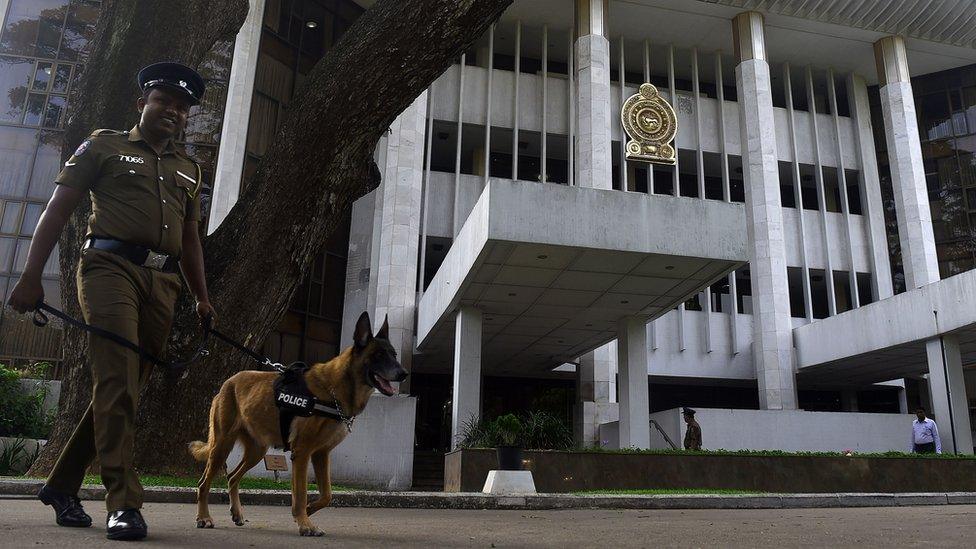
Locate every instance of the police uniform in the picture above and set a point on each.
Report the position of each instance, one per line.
(693, 434)
(128, 281)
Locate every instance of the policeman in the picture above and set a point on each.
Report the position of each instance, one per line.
(145, 194)
(693, 436)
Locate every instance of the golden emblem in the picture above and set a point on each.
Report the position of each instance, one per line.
(651, 124)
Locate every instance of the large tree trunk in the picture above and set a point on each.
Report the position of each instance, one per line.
(319, 163)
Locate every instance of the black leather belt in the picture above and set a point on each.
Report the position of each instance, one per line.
(140, 255)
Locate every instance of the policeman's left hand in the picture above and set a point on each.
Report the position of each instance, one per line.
(204, 310)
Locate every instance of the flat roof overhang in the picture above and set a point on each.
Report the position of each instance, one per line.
(886, 340)
(554, 267)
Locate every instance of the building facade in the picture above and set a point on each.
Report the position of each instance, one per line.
(812, 249)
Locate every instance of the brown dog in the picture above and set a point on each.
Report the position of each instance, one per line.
(244, 410)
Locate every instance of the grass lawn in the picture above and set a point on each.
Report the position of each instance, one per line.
(667, 492)
(220, 482)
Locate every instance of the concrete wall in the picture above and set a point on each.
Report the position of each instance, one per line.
(530, 118)
(52, 392)
(788, 430)
(722, 361)
(904, 318)
(357, 267)
(378, 453)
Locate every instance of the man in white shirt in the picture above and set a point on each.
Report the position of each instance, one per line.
(925, 435)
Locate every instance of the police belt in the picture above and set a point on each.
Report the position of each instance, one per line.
(140, 255)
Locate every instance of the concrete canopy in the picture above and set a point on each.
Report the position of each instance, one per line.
(553, 268)
(886, 340)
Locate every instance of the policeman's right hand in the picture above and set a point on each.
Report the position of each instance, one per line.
(27, 293)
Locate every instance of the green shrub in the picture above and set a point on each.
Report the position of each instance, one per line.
(21, 412)
(532, 431)
(37, 370)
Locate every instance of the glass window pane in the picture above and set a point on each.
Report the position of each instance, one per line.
(33, 27)
(35, 107)
(79, 30)
(23, 245)
(47, 164)
(16, 154)
(61, 78)
(11, 217)
(43, 75)
(7, 247)
(55, 108)
(15, 75)
(31, 216)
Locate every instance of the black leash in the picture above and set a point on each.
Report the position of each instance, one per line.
(262, 360)
(41, 320)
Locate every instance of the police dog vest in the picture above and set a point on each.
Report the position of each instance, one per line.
(293, 399)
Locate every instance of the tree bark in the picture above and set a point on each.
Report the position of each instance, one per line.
(319, 163)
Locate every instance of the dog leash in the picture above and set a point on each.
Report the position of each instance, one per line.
(40, 320)
(262, 360)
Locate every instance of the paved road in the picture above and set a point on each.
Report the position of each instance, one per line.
(25, 523)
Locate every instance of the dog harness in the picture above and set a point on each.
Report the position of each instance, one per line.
(293, 399)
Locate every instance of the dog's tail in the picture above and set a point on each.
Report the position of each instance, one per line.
(199, 449)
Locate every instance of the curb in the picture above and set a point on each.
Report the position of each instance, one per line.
(471, 501)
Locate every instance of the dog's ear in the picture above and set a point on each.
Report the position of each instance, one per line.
(384, 332)
(364, 332)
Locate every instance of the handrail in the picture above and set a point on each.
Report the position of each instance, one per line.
(665, 435)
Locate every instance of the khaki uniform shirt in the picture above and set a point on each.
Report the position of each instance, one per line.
(693, 437)
(137, 197)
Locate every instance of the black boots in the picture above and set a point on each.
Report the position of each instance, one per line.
(67, 508)
(126, 524)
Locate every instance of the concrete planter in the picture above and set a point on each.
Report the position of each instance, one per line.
(52, 391)
(23, 459)
(466, 471)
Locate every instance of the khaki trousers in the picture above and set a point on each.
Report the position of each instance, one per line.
(136, 303)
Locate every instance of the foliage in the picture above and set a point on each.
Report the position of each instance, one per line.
(15, 457)
(37, 370)
(510, 430)
(776, 453)
(21, 412)
(532, 430)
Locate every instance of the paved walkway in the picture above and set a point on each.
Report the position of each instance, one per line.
(25, 522)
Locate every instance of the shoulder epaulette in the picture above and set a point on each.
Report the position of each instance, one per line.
(97, 133)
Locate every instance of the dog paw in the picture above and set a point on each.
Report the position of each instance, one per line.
(205, 523)
(310, 531)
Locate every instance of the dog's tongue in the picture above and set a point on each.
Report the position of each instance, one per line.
(385, 386)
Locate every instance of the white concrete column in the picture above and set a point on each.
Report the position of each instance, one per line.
(881, 286)
(237, 116)
(947, 386)
(905, 160)
(903, 399)
(399, 226)
(593, 163)
(773, 330)
(596, 395)
(632, 367)
(466, 399)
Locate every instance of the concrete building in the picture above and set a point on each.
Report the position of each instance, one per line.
(809, 255)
